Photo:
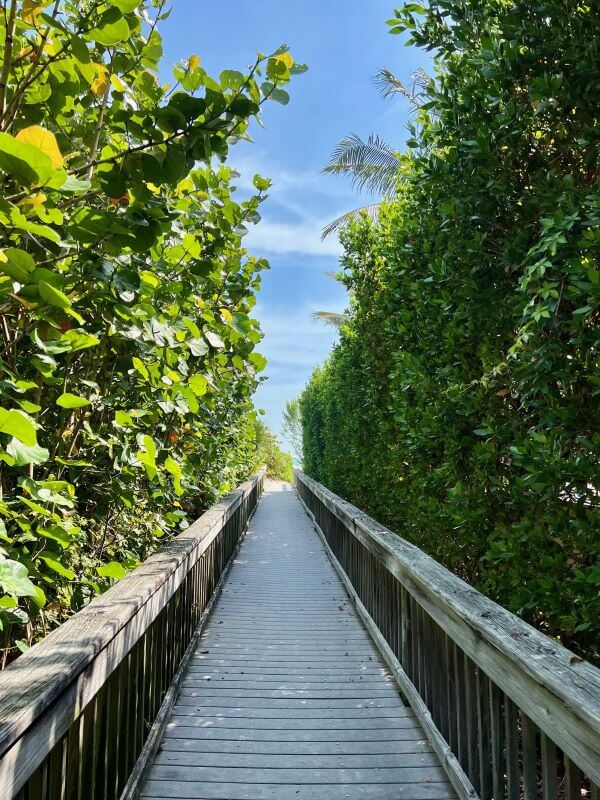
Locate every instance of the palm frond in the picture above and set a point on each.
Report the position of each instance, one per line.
(371, 164)
(422, 79)
(372, 211)
(330, 318)
(390, 85)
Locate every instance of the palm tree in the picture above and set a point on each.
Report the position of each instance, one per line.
(372, 164)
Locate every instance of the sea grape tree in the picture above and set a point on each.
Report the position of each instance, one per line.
(127, 344)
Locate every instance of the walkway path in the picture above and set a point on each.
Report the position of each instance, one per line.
(286, 697)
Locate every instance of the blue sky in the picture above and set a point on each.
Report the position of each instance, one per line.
(344, 43)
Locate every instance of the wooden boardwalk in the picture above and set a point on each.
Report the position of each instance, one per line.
(286, 697)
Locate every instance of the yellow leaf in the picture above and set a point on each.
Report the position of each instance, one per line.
(101, 82)
(30, 11)
(32, 202)
(44, 140)
(503, 392)
(118, 83)
(25, 52)
(3, 257)
(226, 314)
(287, 59)
(193, 62)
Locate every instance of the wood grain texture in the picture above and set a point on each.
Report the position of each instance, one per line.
(560, 695)
(272, 707)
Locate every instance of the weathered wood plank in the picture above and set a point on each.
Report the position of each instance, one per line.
(197, 758)
(304, 722)
(306, 775)
(165, 790)
(364, 733)
(296, 748)
(209, 713)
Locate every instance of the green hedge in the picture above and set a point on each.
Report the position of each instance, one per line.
(461, 404)
(127, 341)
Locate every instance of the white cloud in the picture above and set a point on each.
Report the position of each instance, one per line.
(294, 345)
(299, 205)
(285, 181)
(304, 236)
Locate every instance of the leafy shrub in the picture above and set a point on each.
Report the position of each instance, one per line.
(127, 342)
(267, 452)
(461, 405)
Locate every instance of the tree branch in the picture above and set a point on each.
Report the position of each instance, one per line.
(8, 48)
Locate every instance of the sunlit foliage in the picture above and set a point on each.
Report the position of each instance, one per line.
(461, 405)
(126, 336)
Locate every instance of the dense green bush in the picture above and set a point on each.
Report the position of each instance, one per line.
(461, 404)
(268, 453)
(126, 336)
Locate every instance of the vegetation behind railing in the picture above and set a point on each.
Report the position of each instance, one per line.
(77, 708)
(511, 713)
(460, 406)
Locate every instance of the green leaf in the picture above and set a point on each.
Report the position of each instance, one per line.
(175, 469)
(231, 79)
(259, 362)
(112, 570)
(26, 454)
(57, 567)
(123, 419)
(214, 340)
(38, 598)
(243, 107)
(298, 69)
(68, 400)
(191, 107)
(19, 425)
(198, 384)
(125, 6)
(198, 347)
(112, 29)
(147, 457)
(78, 339)
(280, 96)
(57, 534)
(18, 264)
(140, 367)
(53, 296)
(262, 184)
(14, 579)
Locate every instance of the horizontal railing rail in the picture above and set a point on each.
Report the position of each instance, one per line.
(76, 710)
(511, 713)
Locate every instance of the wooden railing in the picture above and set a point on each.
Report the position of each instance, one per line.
(510, 712)
(82, 709)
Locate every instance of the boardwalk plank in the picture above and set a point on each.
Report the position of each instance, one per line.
(189, 773)
(189, 758)
(165, 790)
(202, 747)
(365, 733)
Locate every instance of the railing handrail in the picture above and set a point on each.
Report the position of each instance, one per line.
(50, 670)
(557, 690)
